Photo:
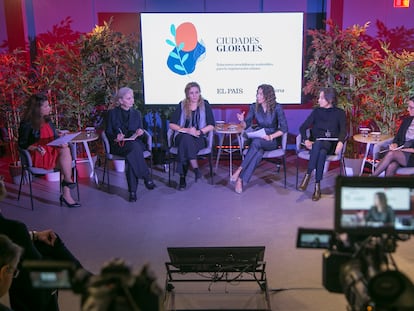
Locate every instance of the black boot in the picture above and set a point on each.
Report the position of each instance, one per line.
(197, 174)
(149, 184)
(132, 196)
(305, 182)
(183, 184)
(317, 193)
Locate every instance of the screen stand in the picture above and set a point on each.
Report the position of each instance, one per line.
(199, 273)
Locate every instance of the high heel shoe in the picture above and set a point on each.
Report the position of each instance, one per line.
(236, 175)
(149, 184)
(63, 200)
(197, 174)
(239, 186)
(70, 185)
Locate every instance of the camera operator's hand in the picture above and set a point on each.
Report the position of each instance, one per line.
(46, 236)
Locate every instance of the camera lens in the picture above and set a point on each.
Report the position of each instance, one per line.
(386, 286)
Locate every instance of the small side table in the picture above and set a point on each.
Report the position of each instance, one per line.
(228, 130)
(369, 140)
(85, 138)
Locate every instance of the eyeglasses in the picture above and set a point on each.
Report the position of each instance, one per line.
(15, 272)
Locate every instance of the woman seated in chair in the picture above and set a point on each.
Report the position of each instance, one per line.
(405, 137)
(269, 116)
(191, 121)
(35, 131)
(328, 124)
(125, 122)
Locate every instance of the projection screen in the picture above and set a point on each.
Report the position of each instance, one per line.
(228, 54)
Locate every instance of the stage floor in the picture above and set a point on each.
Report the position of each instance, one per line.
(108, 226)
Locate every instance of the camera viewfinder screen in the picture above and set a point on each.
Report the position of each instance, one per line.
(375, 207)
(50, 279)
(314, 240)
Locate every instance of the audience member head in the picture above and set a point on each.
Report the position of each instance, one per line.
(37, 110)
(327, 97)
(125, 98)
(266, 94)
(9, 258)
(192, 95)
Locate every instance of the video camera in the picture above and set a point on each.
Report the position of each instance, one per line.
(371, 215)
(116, 288)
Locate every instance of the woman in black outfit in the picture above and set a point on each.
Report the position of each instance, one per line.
(123, 122)
(405, 136)
(328, 125)
(191, 122)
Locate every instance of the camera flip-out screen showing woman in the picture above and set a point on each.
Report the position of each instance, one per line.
(374, 205)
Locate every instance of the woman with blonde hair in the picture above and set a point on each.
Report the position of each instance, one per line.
(191, 121)
(269, 116)
(123, 122)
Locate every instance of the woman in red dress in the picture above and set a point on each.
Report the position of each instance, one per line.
(36, 130)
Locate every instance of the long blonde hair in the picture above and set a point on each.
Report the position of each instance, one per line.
(186, 100)
(269, 97)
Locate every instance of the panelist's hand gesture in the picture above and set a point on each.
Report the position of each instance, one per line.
(240, 116)
(139, 132)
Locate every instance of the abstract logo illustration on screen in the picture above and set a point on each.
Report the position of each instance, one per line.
(187, 50)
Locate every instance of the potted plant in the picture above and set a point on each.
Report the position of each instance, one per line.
(14, 89)
(391, 85)
(370, 84)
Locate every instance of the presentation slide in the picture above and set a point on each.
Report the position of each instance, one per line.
(228, 54)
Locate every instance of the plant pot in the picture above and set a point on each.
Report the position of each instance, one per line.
(352, 166)
(119, 165)
(55, 176)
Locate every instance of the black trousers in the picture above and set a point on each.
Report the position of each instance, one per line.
(187, 148)
(318, 153)
(136, 167)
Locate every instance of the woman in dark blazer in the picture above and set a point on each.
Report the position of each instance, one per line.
(124, 122)
(405, 137)
(191, 122)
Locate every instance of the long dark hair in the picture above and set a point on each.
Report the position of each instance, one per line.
(32, 112)
(269, 97)
(382, 198)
